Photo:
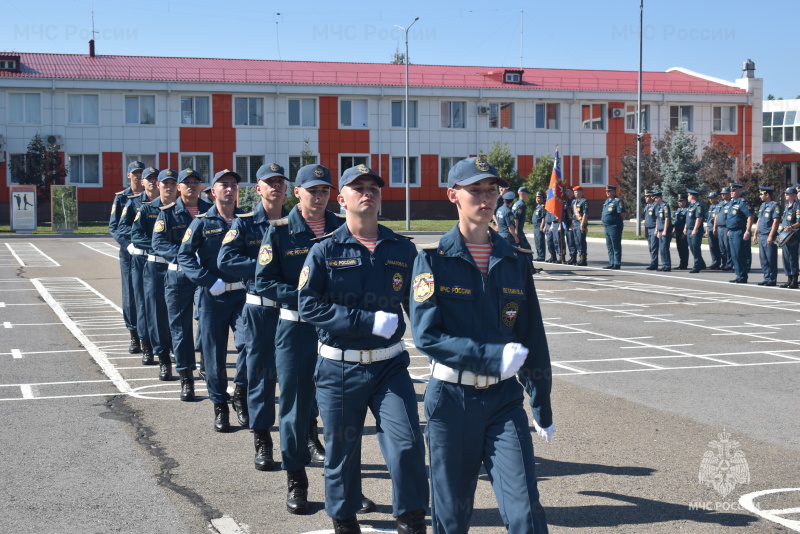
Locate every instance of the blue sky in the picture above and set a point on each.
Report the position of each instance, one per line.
(710, 37)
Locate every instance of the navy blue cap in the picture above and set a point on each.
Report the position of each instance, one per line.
(188, 173)
(648, 193)
(149, 171)
(135, 166)
(656, 193)
(509, 196)
(765, 189)
(207, 190)
(269, 170)
(226, 172)
(471, 170)
(683, 196)
(311, 175)
(540, 194)
(354, 173)
(610, 187)
(523, 189)
(167, 174)
(726, 190)
(736, 186)
(791, 191)
(691, 192)
(712, 194)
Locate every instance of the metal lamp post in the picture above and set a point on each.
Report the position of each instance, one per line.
(408, 159)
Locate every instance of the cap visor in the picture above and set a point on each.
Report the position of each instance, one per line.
(478, 177)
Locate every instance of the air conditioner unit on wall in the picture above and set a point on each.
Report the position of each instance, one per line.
(483, 110)
(617, 113)
(51, 140)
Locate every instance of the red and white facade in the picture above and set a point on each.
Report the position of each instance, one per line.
(213, 114)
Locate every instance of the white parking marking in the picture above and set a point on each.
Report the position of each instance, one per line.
(29, 255)
(16, 354)
(747, 502)
(107, 249)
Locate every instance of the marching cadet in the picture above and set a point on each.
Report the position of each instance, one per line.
(613, 218)
(255, 405)
(538, 226)
(713, 238)
(791, 223)
(506, 223)
(663, 231)
(179, 290)
(695, 216)
(721, 230)
(580, 223)
(650, 220)
(568, 237)
(739, 221)
(769, 220)
(155, 270)
(135, 169)
(351, 288)
(222, 296)
(139, 257)
(679, 230)
(476, 314)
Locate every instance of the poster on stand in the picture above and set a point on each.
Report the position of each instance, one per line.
(22, 202)
(64, 208)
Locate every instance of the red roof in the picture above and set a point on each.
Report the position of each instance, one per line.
(73, 66)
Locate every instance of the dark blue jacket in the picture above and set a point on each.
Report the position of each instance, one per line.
(664, 215)
(143, 223)
(767, 213)
(538, 216)
(739, 210)
(126, 217)
(203, 239)
(520, 211)
(120, 199)
(613, 208)
(581, 208)
(505, 219)
(650, 215)
(696, 210)
(171, 225)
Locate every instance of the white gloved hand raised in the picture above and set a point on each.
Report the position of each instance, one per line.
(514, 355)
(545, 433)
(385, 324)
(218, 288)
(130, 248)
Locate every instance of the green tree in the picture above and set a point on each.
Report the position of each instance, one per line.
(500, 156)
(679, 166)
(398, 58)
(771, 173)
(41, 166)
(717, 164)
(539, 177)
(626, 177)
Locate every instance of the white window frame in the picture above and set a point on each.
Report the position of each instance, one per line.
(451, 161)
(8, 64)
(25, 118)
(718, 123)
(512, 77)
(450, 114)
(496, 112)
(194, 155)
(592, 123)
(401, 182)
(71, 172)
(249, 177)
(301, 114)
(138, 110)
(127, 159)
(356, 105)
(680, 117)
(544, 119)
(194, 122)
(362, 158)
(295, 163)
(413, 114)
(604, 171)
(83, 108)
(249, 100)
(630, 114)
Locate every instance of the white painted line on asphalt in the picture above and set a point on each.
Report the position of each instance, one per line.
(227, 525)
(6, 324)
(568, 368)
(19, 260)
(55, 263)
(747, 501)
(99, 247)
(16, 354)
(631, 360)
(27, 391)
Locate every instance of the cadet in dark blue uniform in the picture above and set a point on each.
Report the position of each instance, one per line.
(255, 404)
(475, 313)
(663, 231)
(791, 222)
(695, 216)
(520, 212)
(679, 230)
(351, 289)
(506, 223)
(179, 290)
(569, 237)
(614, 215)
(552, 231)
(135, 169)
(155, 271)
(222, 296)
(739, 221)
(650, 219)
(580, 224)
(721, 227)
(769, 220)
(538, 226)
(713, 238)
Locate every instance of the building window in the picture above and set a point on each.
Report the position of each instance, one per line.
(399, 113)
(247, 167)
(345, 162)
(296, 162)
(83, 169)
(15, 160)
(630, 117)
(501, 115)
(302, 112)
(353, 113)
(548, 116)
(195, 110)
(8, 64)
(513, 77)
(681, 117)
(593, 116)
(149, 160)
(398, 171)
(25, 108)
(593, 171)
(724, 119)
(199, 162)
(140, 109)
(453, 114)
(445, 164)
(248, 111)
(781, 126)
(82, 109)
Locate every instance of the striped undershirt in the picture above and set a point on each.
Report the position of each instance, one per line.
(368, 242)
(228, 220)
(480, 253)
(318, 227)
(193, 211)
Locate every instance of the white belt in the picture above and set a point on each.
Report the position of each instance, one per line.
(260, 301)
(138, 252)
(157, 259)
(360, 356)
(466, 378)
(290, 315)
(234, 286)
(174, 267)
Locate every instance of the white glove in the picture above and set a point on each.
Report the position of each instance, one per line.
(514, 355)
(130, 248)
(218, 288)
(545, 433)
(385, 324)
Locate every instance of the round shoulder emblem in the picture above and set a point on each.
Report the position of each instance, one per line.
(510, 311)
(265, 255)
(423, 287)
(397, 281)
(230, 236)
(303, 277)
(187, 236)
(159, 227)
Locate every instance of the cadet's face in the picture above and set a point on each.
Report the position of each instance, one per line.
(135, 177)
(272, 189)
(168, 189)
(226, 189)
(540, 200)
(362, 195)
(314, 199)
(475, 202)
(189, 189)
(610, 194)
(736, 193)
(151, 184)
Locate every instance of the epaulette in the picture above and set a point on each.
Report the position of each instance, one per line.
(201, 215)
(120, 192)
(341, 215)
(430, 246)
(248, 214)
(406, 237)
(168, 206)
(134, 195)
(523, 250)
(320, 238)
(283, 221)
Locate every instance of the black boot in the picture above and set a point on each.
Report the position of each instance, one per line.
(136, 345)
(202, 371)
(346, 526)
(222, 421)
(561, 260)
(572, 261)
(147, 353)
(187, 385)
(165, 367)
(314, 446)
(263, 442)
(239, 402)
(412, 522)
(367, 505)
(297, 497)
(582, 261)
(793, 282)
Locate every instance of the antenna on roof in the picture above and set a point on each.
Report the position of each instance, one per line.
(91, 41)
(521, 34)
(277, 36)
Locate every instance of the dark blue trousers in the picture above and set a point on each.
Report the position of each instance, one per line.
(128, 299)
(652, 243)
(663, 248)
(614, 244)
(179, 295)
(726, 260)
(768, 256)
(714, 247)
(580, 239)
(790, 256)
(217, 315)
(553, 240)
(740, 253)
(138, 262)
(258, 338)
(539, 242)
(572, 244)
(695, 247)
(156, 305)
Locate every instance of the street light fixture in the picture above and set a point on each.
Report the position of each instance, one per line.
(408, 159)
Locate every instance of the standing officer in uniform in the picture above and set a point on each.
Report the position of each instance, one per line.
(475, 313)
(721, 230)
(650, 229)
(179, 290)
(791, 220)
(538, 226)
(351, 289)
(663, 231)
(679, 225)
(769, 220)
(580, 223)
(740, 219)
(614, 215)
(222, 296)
(506, 223)
(552, 229)
(695, 216)
(135, 169)
(713, 239)
(520, 211)
(568, 242)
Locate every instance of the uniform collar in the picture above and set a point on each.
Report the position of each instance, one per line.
(452, 244)
(202, 206)
(297, 224)
(343, 235)
(213, 212)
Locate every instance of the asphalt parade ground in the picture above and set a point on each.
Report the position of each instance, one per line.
(675, 398)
